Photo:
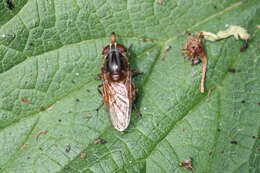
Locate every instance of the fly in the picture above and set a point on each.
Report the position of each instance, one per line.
(117, 87)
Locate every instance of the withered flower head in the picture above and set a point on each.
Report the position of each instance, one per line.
(194, 49)
(194, 46)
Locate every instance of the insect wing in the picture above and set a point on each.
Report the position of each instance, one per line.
(119, 103)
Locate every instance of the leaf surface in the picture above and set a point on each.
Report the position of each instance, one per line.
(50, 54)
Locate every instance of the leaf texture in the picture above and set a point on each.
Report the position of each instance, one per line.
(50, 54)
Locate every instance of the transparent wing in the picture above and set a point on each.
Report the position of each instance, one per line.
(119, 104)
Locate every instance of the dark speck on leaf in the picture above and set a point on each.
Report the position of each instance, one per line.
(77, 100)
(218, 130)
(73, 81)
(67, 149)
(83, 155)
(42, 108)
(41, 149)
(243, 101)
(215, 6)
(30, 44)
(244, 46)
(259, 103)
(28, 158)
(161, 2)
(188, 164)
(99, 141)
(233, 142)
(88, 90)
(195, 61)
(10, 4)
(232, 70)
(66, 167)
(59, 120)
(26, 101)
(253, 137)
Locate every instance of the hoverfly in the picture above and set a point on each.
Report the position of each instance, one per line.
(118, 88)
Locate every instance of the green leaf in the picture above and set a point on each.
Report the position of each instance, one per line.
(50, 54)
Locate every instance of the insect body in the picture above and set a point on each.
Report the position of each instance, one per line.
(118, 88)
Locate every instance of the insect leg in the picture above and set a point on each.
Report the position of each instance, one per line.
(128, 53)
(98, 77)
(137, 110)
(98, 88)
(101, 93)
(130, 47)
(100, 106)
(137, 73)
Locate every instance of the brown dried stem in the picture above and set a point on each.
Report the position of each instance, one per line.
(194, 48)
(203, 75)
